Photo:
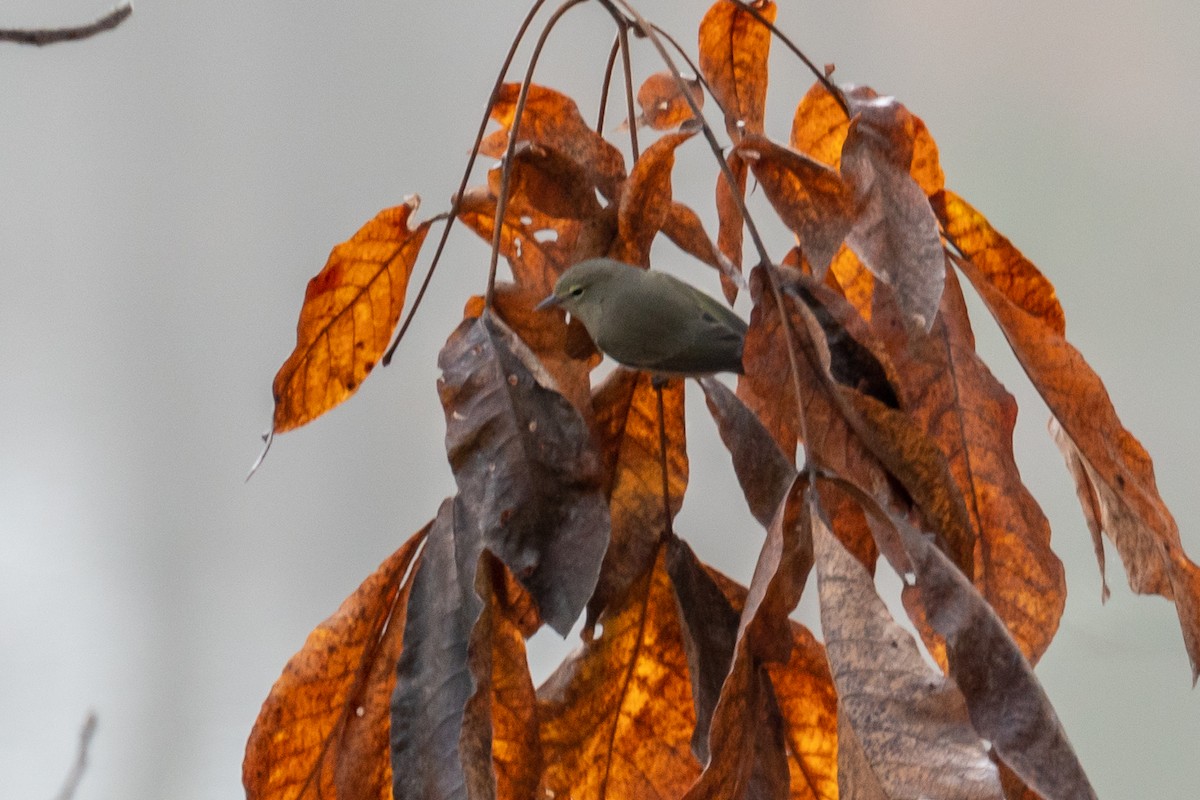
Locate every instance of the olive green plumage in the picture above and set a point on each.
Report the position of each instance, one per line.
(650, 320)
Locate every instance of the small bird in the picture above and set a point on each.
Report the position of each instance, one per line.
(649, 320)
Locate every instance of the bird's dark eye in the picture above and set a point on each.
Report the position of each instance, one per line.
(576, 291)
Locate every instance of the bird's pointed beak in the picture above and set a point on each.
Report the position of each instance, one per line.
(549, 302)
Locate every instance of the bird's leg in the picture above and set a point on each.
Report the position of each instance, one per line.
(657, 382)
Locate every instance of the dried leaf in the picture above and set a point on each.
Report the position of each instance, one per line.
(819, 126)
(954, 398)
(683, 227)
(733, 57)
(809, 197)
(616, 716)
(905, 728)
(646, 200)
(730, 219)
(544, 180)
(552, 119)
(808, 703)
(350, 309)
(527, 477)
(323, 728)
(1119, 471)
(627, 424)
(663, 103)
(895, 233)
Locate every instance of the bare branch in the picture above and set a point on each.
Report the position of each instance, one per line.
(44, 36)
(76, 773)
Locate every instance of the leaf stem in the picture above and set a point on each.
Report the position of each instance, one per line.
(608, 71)
(44, 36)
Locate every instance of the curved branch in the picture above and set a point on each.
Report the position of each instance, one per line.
(45, 36)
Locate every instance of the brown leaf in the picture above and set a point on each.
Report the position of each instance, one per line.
(663, 103)
(1007, 704)
(683, 227)
(904, 728)
(895, 232)
(544, 180)
(322, 731)
(528, 479)
(627, 424)
(733, 57)
(995, 257)
(646, 200)
(350, 310)
(500, 748)
(964, 409)
(616, 716)
(1119, 471)
(809, 197)
(730, 219)
(552, 119)
(808, 703)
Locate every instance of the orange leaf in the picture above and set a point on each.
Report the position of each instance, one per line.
(809, 197)
(808, 703)
(544, 180)
(1005, 268)
(733, 57)
(1119, 472)
(627, 425)
(323, 730)
(350, 310)
(616, 716)
(646, 200)
(664, 105)
(683, 227)
(730, 220)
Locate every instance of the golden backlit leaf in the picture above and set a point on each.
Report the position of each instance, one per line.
(808, 703)
(964, 409)
(616, 717)
(323, 730)
(905, 727)
(1119, 471)
(733, 57)
(809, 197)
(994, 256)
(646, 200)
(627, 425)
(552, 119)
(350, 309)
(819, 126)
(663, 103)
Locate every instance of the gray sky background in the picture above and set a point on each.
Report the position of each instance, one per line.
(167, 189)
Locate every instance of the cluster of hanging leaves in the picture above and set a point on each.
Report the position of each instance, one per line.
(859, 349)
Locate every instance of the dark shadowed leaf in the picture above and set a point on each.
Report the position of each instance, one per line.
(528, 479)
(646, 200)
(500, 748)
(552, 119)
(616, 716)
(733, 57)
(1119, 472)
(809, 197)
(627, 423)
(323, 730)
(903, 728)
(895, 232)
(663, 103)
(1005, 700)
(433, 680)
(350, 309)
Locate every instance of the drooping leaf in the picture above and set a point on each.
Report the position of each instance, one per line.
(903, 729)
(646, 200)
(627, 423)
(730, 218)
(1119, 471)
(322, 731)
(733, 57)
(683, 227)
(552, 119)
(808, 704)
(350, 309)
(500, 745)
(527, 476)
(544, 180)
(433, 678)
(809, 197)
(895, 232)
(616, 716)
(663, 103)
(964, 409)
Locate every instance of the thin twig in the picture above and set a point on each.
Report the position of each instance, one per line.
(77, 769)
(462, 186)
(623, 36)
(687, 60)
(513, 134)
(608, 71)
(45, 36)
